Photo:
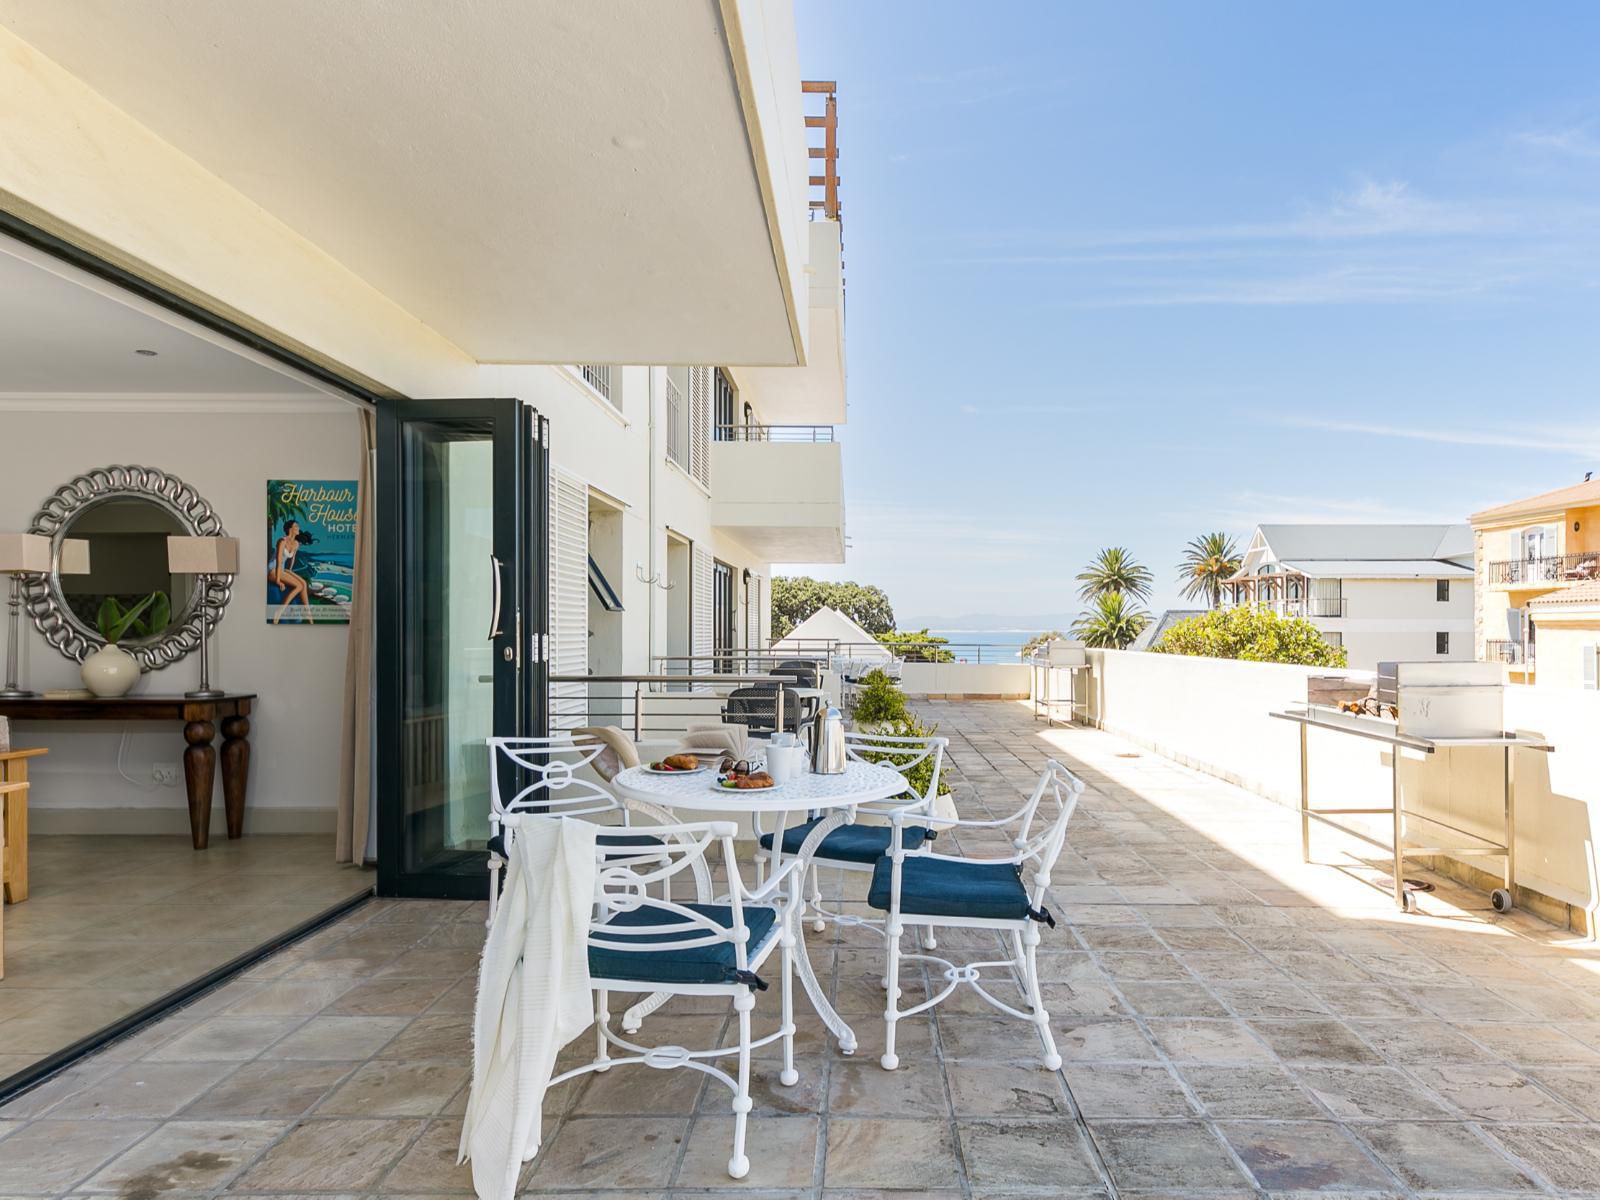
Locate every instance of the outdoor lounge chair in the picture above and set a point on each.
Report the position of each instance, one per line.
(1006, 895)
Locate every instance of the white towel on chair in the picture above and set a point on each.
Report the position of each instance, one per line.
(533, 996)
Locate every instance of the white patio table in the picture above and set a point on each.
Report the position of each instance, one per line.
(833, 795)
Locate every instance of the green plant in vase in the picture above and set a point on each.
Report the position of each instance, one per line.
(110, 671)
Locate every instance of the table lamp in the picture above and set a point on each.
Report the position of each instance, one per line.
(205, 557)
(21, 555)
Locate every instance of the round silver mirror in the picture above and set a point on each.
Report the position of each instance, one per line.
(125, 514)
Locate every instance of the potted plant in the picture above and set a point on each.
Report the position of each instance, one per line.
(110, 671)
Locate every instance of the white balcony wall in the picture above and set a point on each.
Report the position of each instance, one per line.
(1211, 714)
(955, 680)
(785, 500)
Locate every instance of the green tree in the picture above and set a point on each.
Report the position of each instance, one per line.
(796, 597)
(1253, 634)
(1111, 623)
(917, 645)
(1037, 643)
(878, 699)
(1207, 561)
(1114, 569)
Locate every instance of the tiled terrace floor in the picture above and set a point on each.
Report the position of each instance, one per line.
(1234, 1024)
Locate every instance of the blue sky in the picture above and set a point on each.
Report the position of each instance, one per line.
(1123, 274)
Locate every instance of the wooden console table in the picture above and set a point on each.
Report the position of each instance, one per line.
(200, 720)
(14, 855)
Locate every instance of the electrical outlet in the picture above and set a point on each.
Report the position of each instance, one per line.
(166, 774)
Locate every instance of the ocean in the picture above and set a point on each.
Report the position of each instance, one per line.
(986, 645)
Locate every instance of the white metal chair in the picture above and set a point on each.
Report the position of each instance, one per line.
(542, 776)
(1002, 894)
(642, 943)
(859, 845)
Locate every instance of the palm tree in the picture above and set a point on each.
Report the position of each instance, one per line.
(1207, 561)
(1111, 624)
(1114, 569)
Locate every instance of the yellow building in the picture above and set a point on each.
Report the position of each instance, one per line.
(1533, 556)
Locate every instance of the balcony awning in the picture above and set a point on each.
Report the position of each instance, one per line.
(602, 589)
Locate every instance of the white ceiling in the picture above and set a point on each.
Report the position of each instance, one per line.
(61, 334)
(537, 180)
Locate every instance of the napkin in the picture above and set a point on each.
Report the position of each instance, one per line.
(715, 739)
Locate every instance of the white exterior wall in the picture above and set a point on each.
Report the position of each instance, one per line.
(1398, 620)
(1212, 714)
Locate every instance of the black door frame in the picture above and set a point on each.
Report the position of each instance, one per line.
(521, 447)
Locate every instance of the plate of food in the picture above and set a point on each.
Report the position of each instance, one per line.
(679, 764)
(746, 781)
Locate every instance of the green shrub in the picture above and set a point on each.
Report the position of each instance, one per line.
(917, 645)
(1252, 634)
(909, 725)
(879, 700)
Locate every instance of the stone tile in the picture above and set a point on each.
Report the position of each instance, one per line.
(869, 1152)
(1323, 1042)
(1492, 1093)
(1444, 1158)
(391, 1089)
(1370, 1094)
(994, 1038)
(1124, 965)
(1579, 1087)
(1081, 1040)
(1210, 1041)
(145, 1089)
(331, 1039)
(1262, 1092)
(289, 998)
(1171, 999)
(1126, 1090)
(1528, 1045)
(1165, 1157)
(266, 1089)
(331, 1156)
(1568, 1157)
(639, 1090)
(1305, 1157)
(1003, 1090)
(225, 1039)
(1271, 999)
(862, 1088)
(186, 1156)
(782, 1153)
(610, 1152)
(49, 1156)
(429, 1164)
(1016, 1153)
(445, 1037)
(1421, 1042)
(389, 997)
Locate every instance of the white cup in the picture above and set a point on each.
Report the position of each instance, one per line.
(784, 762)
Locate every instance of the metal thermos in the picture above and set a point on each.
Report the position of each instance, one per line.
(826, 733)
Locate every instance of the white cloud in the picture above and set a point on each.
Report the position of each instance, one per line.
(1568, 441)
(1577, 142)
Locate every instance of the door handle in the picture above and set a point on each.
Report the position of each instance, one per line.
(494, 617)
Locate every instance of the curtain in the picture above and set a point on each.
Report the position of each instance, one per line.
(355, 749)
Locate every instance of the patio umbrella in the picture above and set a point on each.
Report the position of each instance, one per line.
(533, 995)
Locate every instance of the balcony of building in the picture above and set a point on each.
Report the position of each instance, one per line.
(779, 490)
(1538, 572)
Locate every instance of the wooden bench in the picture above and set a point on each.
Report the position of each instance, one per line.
(14, 795)
(10, 793)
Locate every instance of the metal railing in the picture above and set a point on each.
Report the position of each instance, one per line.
(1515, 653)
(734, 661)
(775, 433)
(598, 377)
(675, 424)
(658, 706)
(1548, 568)
(976, 653)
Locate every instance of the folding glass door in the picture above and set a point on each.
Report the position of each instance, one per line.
(462, 614)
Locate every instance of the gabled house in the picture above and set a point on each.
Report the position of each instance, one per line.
(1383, 592)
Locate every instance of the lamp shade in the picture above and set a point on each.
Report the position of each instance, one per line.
(74, 556)
(203, 555)
(24, 553)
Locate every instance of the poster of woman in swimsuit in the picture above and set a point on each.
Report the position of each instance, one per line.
(311, 551)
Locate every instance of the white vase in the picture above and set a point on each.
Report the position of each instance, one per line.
(110, 671)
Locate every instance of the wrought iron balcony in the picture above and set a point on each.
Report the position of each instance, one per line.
(1517, 653)
(1549, 568)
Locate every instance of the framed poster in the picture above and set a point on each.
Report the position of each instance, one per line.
(311, 551)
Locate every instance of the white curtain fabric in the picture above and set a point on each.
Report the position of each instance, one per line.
(533, 996)
(354, 798)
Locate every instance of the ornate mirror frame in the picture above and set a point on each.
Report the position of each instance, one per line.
(47, 604)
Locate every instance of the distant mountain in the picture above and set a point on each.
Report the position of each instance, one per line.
(979, 622)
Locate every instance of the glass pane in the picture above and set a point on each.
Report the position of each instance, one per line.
(447, 706)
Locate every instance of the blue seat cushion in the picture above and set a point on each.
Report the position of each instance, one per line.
(849, 843)
(626, 843)
(710, 963)
(942, 887)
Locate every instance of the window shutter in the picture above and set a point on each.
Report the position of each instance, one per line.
(701, 625)
(700, 403)
(569, 598)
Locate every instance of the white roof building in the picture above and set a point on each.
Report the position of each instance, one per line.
(1384, 592)
(828, 628)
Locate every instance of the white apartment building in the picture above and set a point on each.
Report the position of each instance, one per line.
(1384, 592)
(246, 243)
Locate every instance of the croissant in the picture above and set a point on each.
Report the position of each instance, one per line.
(681, 762)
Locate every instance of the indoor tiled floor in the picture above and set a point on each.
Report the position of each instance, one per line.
(114, 923)
(1233, 1023)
